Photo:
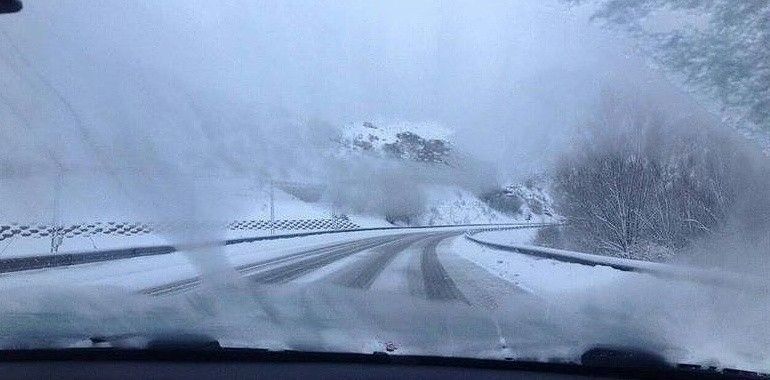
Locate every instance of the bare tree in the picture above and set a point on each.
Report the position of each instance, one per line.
(641, 180)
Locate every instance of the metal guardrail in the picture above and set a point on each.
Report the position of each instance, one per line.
(57, 260)
(712, 277)
(561, 255)
(36, 230)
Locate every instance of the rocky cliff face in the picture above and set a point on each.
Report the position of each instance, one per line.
(445, 203)
(425, 144)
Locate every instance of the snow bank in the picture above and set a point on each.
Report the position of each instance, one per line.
(243, 211)
(686, 321)
(510, 241)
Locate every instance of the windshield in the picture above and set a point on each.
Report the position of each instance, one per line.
(503, 180)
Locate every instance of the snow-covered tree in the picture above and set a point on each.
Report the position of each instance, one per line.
(719, 50)
(642, 181)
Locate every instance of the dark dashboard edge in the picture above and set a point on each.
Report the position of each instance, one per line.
(246, 355)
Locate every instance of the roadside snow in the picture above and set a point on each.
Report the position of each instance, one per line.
(142, 272)
(513, 236)
(686, 321)
(567, 307)
(542, 277)
(242, 201)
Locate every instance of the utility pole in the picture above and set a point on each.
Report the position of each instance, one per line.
(56, 229)
(272, 207)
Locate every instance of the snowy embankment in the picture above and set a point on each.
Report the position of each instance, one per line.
(135, 274)
(104, 219)
(683, 316)
(519, 241)
(533, 274)
(453, 205)
(450, 187)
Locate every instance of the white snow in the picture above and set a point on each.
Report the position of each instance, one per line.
(511, 236)
(685, 319)
(540, 276)
(453, 205)
(521, 238)
(395, 277)
(385, 131)
(143, 272)
(565, 305)
(242, 201)
(537, 202)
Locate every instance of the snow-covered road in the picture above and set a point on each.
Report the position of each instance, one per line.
(414, 264)
(429, 291)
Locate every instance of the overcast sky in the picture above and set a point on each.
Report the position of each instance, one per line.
(508, 76)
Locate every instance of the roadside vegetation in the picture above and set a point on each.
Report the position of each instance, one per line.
(648, 180)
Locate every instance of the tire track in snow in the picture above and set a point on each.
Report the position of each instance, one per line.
(363, 276)
(296, 269)
(438, 284)
(248, 270)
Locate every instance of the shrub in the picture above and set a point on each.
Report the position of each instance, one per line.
(641, 176)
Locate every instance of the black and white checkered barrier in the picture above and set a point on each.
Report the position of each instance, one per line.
(14, 230)
(341, 223)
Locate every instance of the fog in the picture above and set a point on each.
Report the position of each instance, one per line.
(250, 87)
(153, 110)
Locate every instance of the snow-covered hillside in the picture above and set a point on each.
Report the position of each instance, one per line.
(246, 201)
(534, 202)
(452, 205)
(445, 203)
(424, 142)
(97, 221)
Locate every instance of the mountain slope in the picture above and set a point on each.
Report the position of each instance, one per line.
(446, 200)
